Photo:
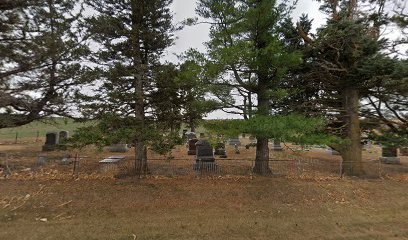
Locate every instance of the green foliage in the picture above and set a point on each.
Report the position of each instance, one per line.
(41, 49)
(246, 54)
(291, 128)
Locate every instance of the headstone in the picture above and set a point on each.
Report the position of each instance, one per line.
(205, 157)
(192, 146)
(110, 164)
(204, 151)
(51, 141)
(389, 155)
(243, 135)
(220, 150)
(276, 145)
(234, 141)
(119, 147)
(63, 136)
(202, 135)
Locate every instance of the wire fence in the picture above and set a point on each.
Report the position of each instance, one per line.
(73, 164)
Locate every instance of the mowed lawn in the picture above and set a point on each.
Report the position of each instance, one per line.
(204, 208)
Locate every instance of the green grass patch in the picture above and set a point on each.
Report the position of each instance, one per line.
(40, 128)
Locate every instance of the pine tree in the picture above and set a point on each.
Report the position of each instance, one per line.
(41, 46)
(345, 61)
(246, 52)
(132, 35)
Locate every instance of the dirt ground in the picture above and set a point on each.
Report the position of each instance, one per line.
(54, 205)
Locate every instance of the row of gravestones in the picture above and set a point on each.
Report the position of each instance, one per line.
(54, 140)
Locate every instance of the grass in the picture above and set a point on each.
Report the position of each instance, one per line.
(241, 208)
(47, 203)
(39, 128)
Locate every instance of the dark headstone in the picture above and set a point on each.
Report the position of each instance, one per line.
(389, 152)
(205, 160)
(389, 155)
(51, 141)
(202, 135)
(192, 146)
(220, 150)
(204, 151)
(51, 138)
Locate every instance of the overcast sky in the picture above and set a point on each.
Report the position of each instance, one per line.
(195, 36)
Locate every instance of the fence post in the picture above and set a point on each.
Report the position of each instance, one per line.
(16, 138)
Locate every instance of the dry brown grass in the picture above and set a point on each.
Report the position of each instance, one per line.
(49, 203)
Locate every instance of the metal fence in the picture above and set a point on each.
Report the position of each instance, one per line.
(283, 165)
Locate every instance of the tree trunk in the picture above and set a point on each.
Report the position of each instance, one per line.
(351, 152)
(262, 149)
(192, 125)
(262, 157)
(139, 75)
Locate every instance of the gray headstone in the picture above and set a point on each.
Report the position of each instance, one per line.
(234, 141)
(276, 146)
(63, 136)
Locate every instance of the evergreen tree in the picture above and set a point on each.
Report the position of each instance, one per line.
(41, 47)
(246, 52)
(132, 35)
(345, 62)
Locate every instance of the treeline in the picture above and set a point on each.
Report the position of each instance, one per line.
(101, 59)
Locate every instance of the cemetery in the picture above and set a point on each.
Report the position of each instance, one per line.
(204, 119)
(38, 179)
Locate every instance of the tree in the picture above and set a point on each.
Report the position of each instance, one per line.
(346, 62)
(40, 46)
(246, 53)
(132, 35)
(195, 90)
